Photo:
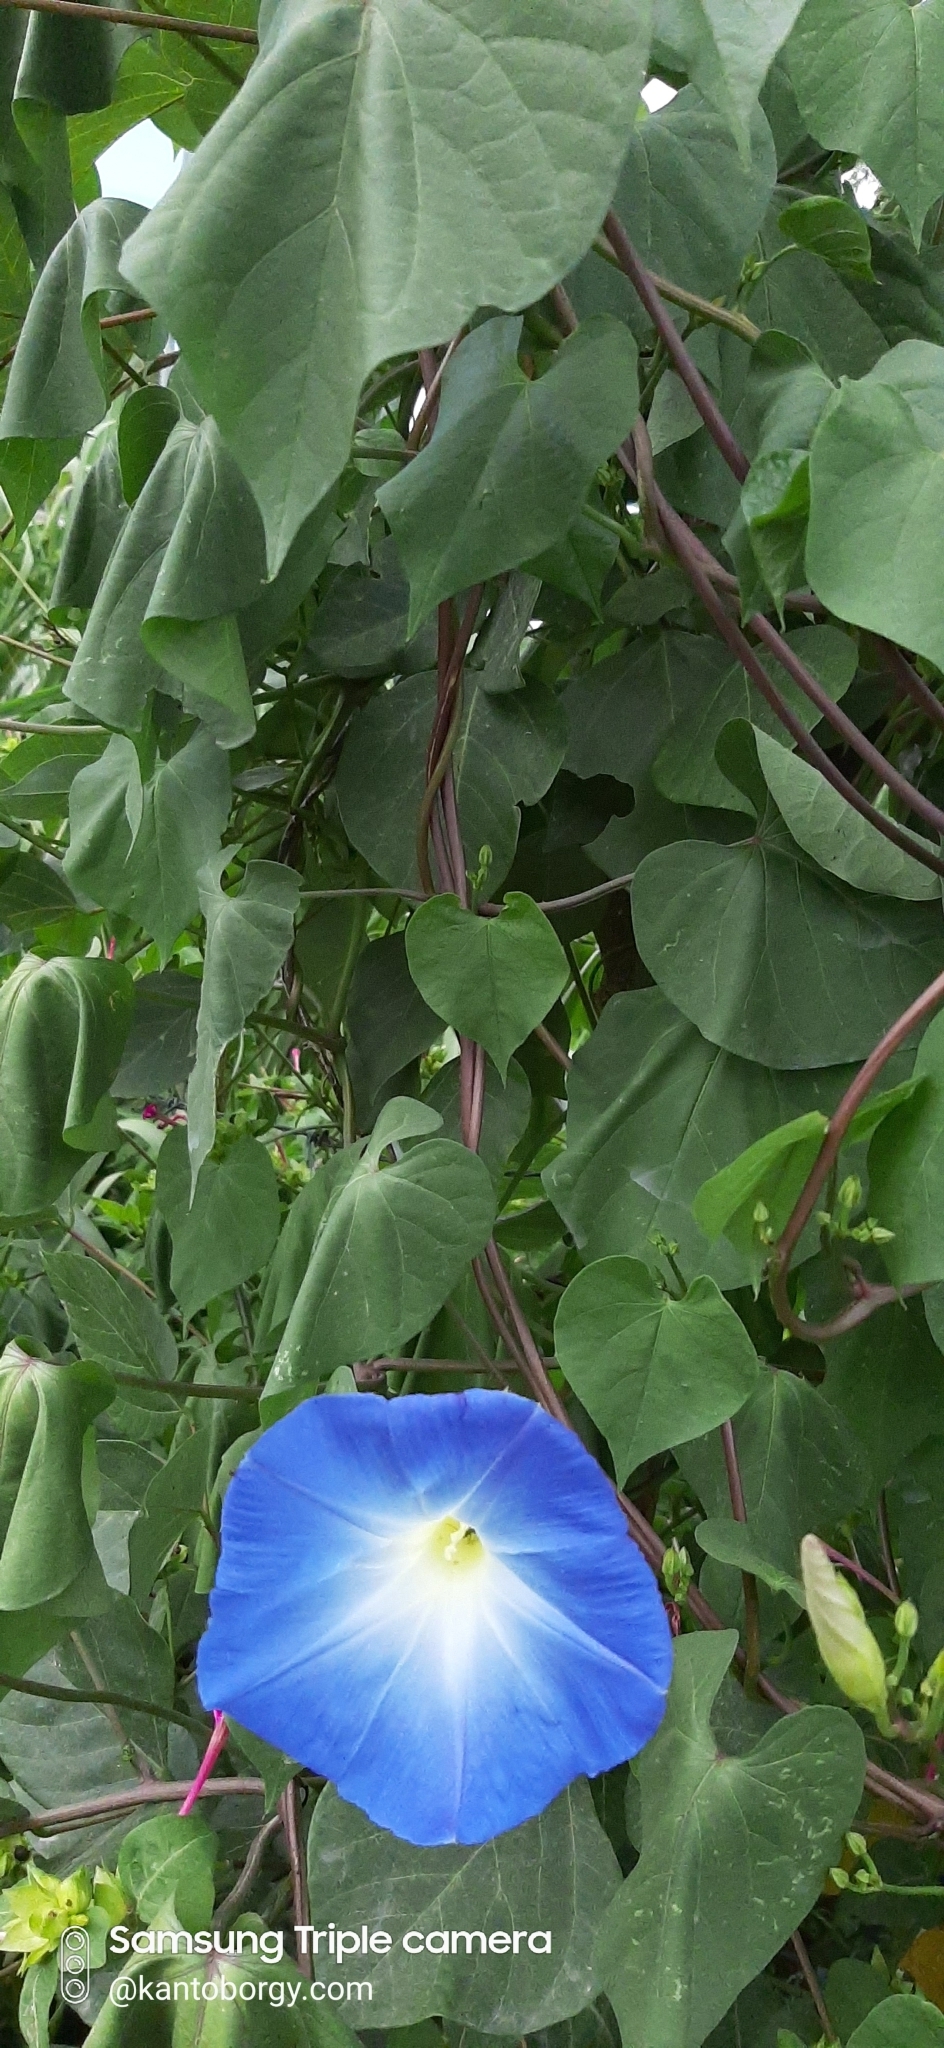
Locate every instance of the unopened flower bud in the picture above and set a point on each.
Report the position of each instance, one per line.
(857, 1845)
(850, 1193)
(906, 1621)
(677, 1571)
(844, 1639)
(934, 1682)
(840, 1878)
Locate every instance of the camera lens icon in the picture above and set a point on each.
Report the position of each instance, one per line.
(74, 1965)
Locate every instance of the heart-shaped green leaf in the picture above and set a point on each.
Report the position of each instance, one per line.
(651, 1370)
(492, 978)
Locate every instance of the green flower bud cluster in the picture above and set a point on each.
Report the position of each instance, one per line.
(677, 1571)
(839, 1222)
(35, 1913)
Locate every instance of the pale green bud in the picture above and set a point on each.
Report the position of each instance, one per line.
(840, 1878)
(108, 1895)
(906, 1621)
(844, 1639)
(677, 1571)
(934, 1682)
(850, 1193)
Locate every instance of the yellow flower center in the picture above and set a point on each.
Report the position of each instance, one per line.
(455, 1543)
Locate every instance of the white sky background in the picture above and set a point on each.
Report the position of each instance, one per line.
(140, 165)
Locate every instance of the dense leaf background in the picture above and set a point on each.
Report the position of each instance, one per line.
(471, 800)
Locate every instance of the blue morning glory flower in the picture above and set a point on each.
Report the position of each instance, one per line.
(435, 1602)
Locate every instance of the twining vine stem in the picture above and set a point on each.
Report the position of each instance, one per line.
(88, 10)
(703, 571)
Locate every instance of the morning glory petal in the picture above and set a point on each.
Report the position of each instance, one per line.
(434, 1601)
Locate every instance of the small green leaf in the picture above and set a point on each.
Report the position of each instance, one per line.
(771, 1172)
(247, 938)
(492, 978)
(511, 457)
(835, 836)
(652, 1371)
(166, 1865)
(652, 1106)
(735, 1543)
(833, 229)
(229, 1229)
(900, 2023)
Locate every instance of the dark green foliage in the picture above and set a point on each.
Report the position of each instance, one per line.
(471, 793)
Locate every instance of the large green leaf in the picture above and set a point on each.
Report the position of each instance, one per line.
(118, 1651)
(734, 1853)
(654, 1109)
(692, 205)
(166, 1867)
(492, 978)
(507, 751)
(727, 48)
(554, 1874)
(231, 1227)
(247, 938)
(511, 458)
(62, 1028)
(840, 969)
(161, 1045)
(513, 125)
(137, 847)
(58, 384)
(801, 1466)
(887, 1379)
(388, 1249)
(877, 498)
(834, 835)
(253, 2002)
(868, 76)
(662, 703)
(652, 1370)
(906, 1170)
(900, 2023)
(387, 1022)
(188, 556)
(800, 296)
(96, 514)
